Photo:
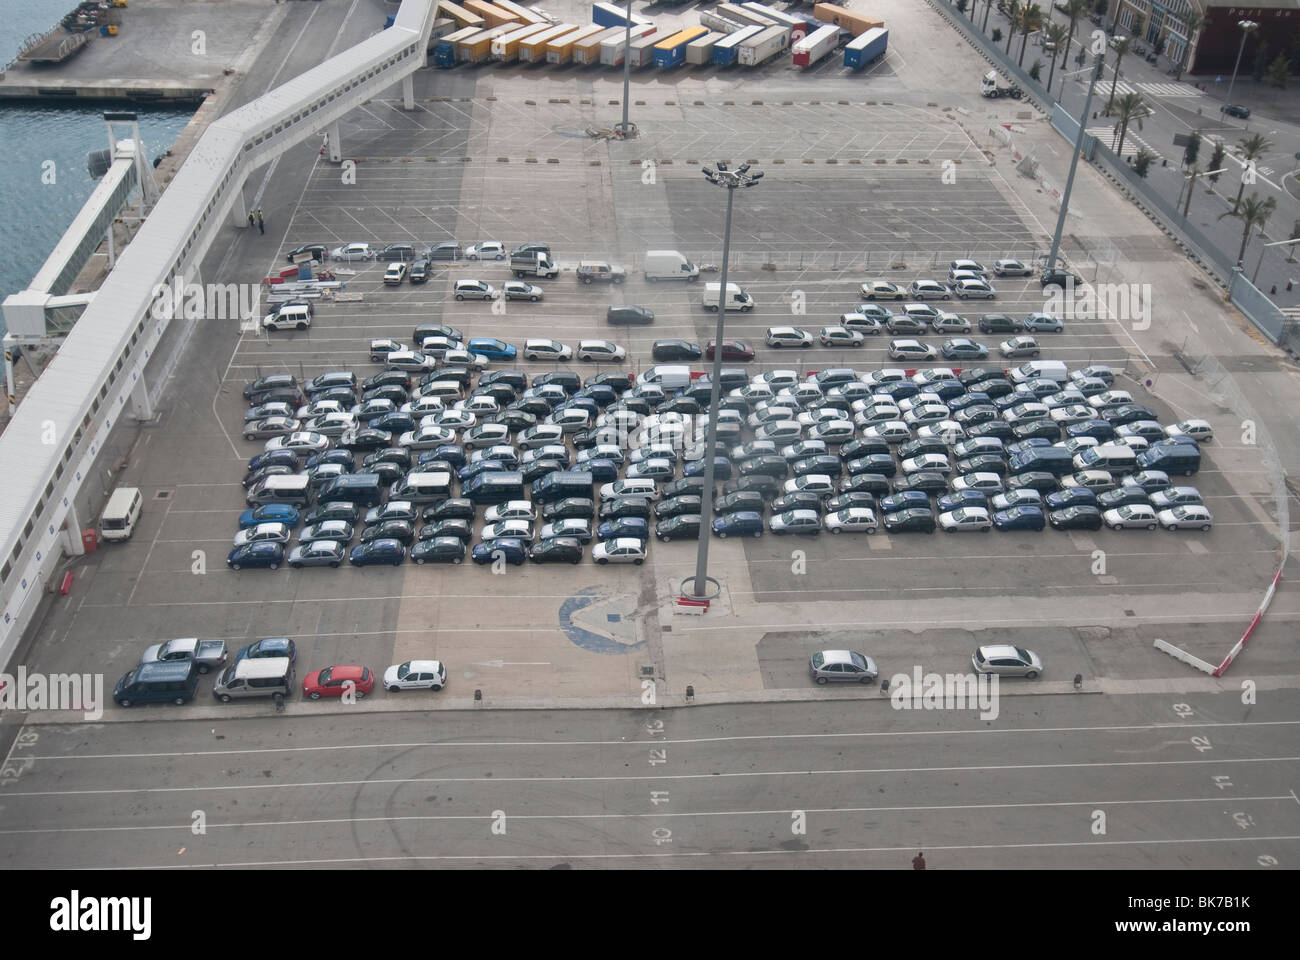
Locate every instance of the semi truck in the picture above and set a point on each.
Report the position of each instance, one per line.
(864, 49)
(989, 87)
(816, 45)
(764, 45)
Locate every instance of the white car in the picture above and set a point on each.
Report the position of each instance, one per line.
(510, 510)
(352, 251)
(916, 401)
(475, 360)
(426, 438)
(966, 520)
(776, 379)
(927, 461)
(522, 529)
(541, 435)
(479, 405)
(788, 337)
(968, 266)
(423, 407)
(832, 431)
(950, 323)
(979, 445)
(1111, 398)
(1132, 517)
(486, 250)
(877, 378)
(810, 418)
(646, 488)
(1011, 268)
(519, 290)
(274, 532)
(546, 350)
(851, 520)
(818, 483)
(1077, 444)
(1098, 481)
(619, 550)
(300, 442)
(929, 290)
(1198, 430)
(457, 419)
(1074, 413)
(981, 482)
(926, 413)
(409, 360)
(600, 350)
(795, 521)
(656, 468)
(911, 350)
(840, 337)
(435, 346)
(574, 527)
(972, 288)
(891, 431)
(1189, 516)
(860, 322)
(395, 273)
(1022, 497)
(949, 431)
(415, 675)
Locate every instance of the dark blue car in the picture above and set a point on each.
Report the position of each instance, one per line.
(286, 458)
(904, 500)
(394, 422)
(471, 470)
(262, 553)
(385, 550)
(344, 457)
(452, 453)
(511, 549)
(624, 527)
(721, 468)
(603, 394)
(742, 523)
(269, 513)
(1019, 518)
(1101, 430)
(270, 647)
(1070, 497)
(960, 498)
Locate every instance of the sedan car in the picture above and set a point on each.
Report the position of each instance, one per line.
(474, 290)
(537, 349)
(338, 681)
(911, 350)
(318, 553)
(1007, 661)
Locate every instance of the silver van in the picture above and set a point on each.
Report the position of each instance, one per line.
(1114, 457)
(255, 677)
(292, 488)
(422, 487)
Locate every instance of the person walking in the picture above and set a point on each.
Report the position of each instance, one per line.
(251, 219)
(261, 225)
(918, 861)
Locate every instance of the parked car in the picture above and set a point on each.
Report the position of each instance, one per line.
(336, 681)
(1007, 661)
(847, 665)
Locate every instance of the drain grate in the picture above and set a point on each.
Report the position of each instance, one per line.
(667, 629)
(163, 494)
(647, 671)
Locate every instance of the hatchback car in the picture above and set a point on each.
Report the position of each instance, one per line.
(974, 289)
(535, 349)
(1133, 516)
(827, 665)
(1044, 322)
(962, 349)
(474, 290)
(788, 337)
(738, 524)
(912, 520)
(337, 681)
(386, 550)
(1019, 347)
(439, 550)
(929, 290)
(840, 337)
(851, 520)
(556, 550)
(1190, 516)
(882, 290)
(510, 550)
(263, 553)
(999, 323)
(1007, 661)
(796, 521)
(1011, 268)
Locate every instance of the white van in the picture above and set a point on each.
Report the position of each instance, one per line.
(290, 316)
(255, 677)
(121, 514)
(669, 376)
(291, 488)
(669, 265)
(1049, 369)
(737, 299)
(1114, 457)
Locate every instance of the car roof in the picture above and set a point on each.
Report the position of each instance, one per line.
(999, 650)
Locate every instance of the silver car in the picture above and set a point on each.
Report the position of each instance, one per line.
(317, 553)
(827, 665)
(1007, 661)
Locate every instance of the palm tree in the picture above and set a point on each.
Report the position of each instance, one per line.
(985, 25)
(1121, 48)
(1074, 9)
(1253, 146)
(1057, 35)
(1031, 19)
(1252, 212)
(1129, 107)
(1014, 11)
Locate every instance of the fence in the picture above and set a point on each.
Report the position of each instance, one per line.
(1251, 301)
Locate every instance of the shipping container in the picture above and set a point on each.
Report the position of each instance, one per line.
(764, 45)
(477, 48)
(444, 54)
(461, 15)
(521, 13)
(798, 24)
(701, 51)
(440, 29)
(734, 11)
(816, 45)
(866, 48)
(533, 49)
(506, 47)
(724, 51)
(612, 15)
(560, 50)
(495, 16)
(672, 51)
(641, 53)
(611, 50)
(856, 23)
(587, 50)
(716, 21)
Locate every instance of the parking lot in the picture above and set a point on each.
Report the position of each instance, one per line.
(803, 241)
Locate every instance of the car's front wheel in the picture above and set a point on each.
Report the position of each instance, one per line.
(867, 679)
(1031, 675)
(394, 689)
(313, 695)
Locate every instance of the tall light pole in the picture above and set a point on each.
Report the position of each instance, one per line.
(1097, 67)
(625, 128)
(731, 179)
(1247, 27)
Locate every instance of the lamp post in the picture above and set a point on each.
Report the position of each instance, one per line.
(1247, 27)
(1097, 68)
(625, 127)
(731, 180)
(1275, 243)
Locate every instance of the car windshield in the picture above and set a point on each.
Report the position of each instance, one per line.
(404, 670)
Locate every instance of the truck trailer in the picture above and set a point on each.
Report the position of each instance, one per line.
(521, 13)
(587, 50)
(478, 47)
(444, 54)
(716, 21)
(725, 50)
(764, 45)
(506, 47)
(856, 23)
(672, 51)
(816, 45)
(495, 16)
(560, 50)
(700, 51)
(641, 51)
(533, 49)
(612, 50)
(612, 15)
(866, 48)
(798, 25)
(734, 11)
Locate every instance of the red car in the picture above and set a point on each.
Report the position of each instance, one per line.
(333, 681)
(731, 350)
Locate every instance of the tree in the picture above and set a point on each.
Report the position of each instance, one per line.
(1014, 10)
(1058, 36)
(1031, 19)
(1191, 185)
(1193, 148)
(1251, 148)
(1252, 212)
(1074, 9)
(1128, 108)
(1216, 161)
(1121, 48)
(1036, 70)
(1142, 161)
(1278, 71)
(988, 4)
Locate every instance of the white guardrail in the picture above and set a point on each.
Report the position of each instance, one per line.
(61, 428)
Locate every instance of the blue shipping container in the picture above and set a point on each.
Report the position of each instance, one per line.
(866, 48)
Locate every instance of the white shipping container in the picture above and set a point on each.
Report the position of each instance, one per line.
(588, 50)
(816, 45)
(763, 46)
(611, 51)
(716, 21)
(700, 50)
(643, 49)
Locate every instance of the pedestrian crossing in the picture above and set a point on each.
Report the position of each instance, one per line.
(1109, 136)
(1168, 90)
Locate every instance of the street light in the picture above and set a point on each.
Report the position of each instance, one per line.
(1247, 26)
(730, 179)
(625, 128)
(1097, 68)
